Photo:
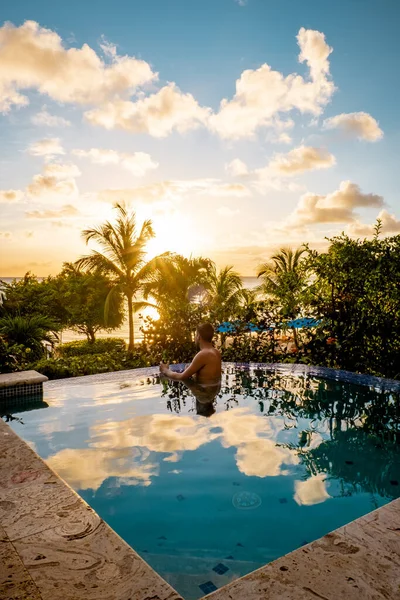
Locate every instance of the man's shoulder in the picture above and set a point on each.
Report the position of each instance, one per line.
(209, 352)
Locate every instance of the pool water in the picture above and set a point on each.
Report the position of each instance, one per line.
(205, 491)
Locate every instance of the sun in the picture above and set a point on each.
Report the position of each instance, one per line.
(175, 233)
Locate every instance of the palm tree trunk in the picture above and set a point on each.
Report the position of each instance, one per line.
(295, 339)
(130, 322)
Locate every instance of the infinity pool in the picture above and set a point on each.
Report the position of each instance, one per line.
(207, 492)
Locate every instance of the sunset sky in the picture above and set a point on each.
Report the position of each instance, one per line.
(237, 126)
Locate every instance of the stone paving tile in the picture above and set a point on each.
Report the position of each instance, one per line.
(43, 505)
(91, 565)
(15, 581)
(360, 561)
(66, 552)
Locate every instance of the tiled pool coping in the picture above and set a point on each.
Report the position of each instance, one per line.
(53, 546)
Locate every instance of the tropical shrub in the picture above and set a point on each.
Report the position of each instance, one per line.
(83, 347)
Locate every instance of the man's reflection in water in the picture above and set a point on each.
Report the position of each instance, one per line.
(205, 395)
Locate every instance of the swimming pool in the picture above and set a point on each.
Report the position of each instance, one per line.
(206, 493)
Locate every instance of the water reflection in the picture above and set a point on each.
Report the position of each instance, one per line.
(317, 431)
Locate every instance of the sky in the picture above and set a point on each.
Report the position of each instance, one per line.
(237, 126)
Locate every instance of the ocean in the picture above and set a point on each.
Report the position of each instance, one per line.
(67, 335)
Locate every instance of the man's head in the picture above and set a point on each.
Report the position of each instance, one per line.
(205, 332)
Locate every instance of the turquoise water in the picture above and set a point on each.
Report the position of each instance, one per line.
(207, 493)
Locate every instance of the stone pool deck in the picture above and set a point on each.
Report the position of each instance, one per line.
(53, 546)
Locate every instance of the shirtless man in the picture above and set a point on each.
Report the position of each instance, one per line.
(206, 365)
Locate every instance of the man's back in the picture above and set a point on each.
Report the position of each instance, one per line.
(210, 372)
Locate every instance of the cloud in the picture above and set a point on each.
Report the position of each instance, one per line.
(312, 491)
(158, 115)
(390, 224)
(61, 171)
(241, 2)
(46, 147)
(237, 168)
(87, 468)
(301, 159)
(262, 94)
(337, 207)
(225, 211)
(173, 191)
(137, 163)
(34, 57)
(44, 118)
(357, 124)
(50, 186)
(66, 211)
(230, 189)
(10, 196)
(5, 235)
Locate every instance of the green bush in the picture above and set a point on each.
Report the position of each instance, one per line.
(90, 364)
(83, 347)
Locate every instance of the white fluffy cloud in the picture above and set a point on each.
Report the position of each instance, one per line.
(66, 211)
(61, 171)
(161, 113)
(51, 186)
(44, 118)
(303, 158)
(390, 224)
(34, 57)
(358, 124)
(262, 94)
(10, 196)
(137, 163)
(237, 168)
(337, 207)
(46, 147)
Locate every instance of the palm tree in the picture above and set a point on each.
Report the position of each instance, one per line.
(224, 292)
(176, 282)
(284, 278)
(122, 259)
(29, 331)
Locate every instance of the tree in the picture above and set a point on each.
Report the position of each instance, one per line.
(32, 296)
(284, 278)
(176, 282)
(356, 295)
(176, 286)
(84, 296)
(224, 293)
(29, 332)
(123, 259)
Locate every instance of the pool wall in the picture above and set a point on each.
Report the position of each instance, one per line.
(54, 546)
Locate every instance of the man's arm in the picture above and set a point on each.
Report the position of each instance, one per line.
(197, 363)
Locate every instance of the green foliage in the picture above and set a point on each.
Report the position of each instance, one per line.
(30, 296)
(13, 357)
(175, 285)
(29, 332)
(284, 278)
(84, 298)
(83, 347)
(88, 364)
(224, 294)
(356, 294)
